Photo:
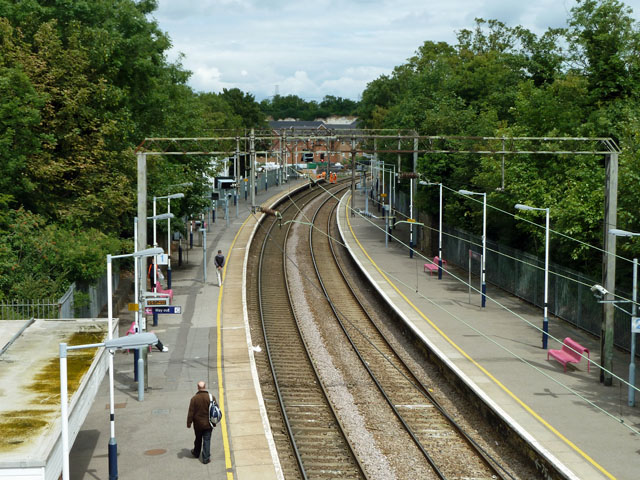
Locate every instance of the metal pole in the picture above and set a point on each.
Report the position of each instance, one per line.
(609, 268)
(142, 201)
(113, 446)
(204, 254)
(236, 190)
(64, 413)
(632, 359)
(252, 153)
(136, 290)
(392, 190)
(155, 244)
(386, 228)
(327, 159)
(141, 374)
(470, 255)
(411, 216)
(283, 172)
(440, 238)
(545, 321)
(382, 193)
(142, 232)
(169, 244)
(412, 185)
(353, 175)
(136, 294)
(484, 249)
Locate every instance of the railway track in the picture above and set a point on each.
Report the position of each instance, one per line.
(362, 412)
(449, 450)
(308, 435)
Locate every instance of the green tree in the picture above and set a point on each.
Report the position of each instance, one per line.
(605, 42)
(244, 106)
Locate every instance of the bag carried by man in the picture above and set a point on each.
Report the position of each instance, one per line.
(215, 414)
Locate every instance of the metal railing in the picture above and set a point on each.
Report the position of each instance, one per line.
(25, 309)
(522, 275)
(67, 306)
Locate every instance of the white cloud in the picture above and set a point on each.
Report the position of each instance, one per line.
(328, 47)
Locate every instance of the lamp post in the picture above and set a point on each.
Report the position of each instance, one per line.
(168, 197)
(545, 321)
(113, 460)
(154, 217)
(632, 359)
(422, 182)
(139, 340)
(484, 241)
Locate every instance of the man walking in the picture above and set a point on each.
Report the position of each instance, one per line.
(199, 416)
(219, 262)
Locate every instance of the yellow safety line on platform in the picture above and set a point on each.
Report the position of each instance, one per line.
(454, 345)
(225, 435)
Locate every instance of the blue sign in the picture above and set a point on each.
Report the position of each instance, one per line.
(176, 309)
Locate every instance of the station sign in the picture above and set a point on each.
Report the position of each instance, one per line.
(173, 309)
(156, 301)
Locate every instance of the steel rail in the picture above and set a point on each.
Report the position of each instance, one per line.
(413, 380)
(282, 402)
(422, 389)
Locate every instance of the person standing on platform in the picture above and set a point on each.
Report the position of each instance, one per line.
(199, 416)
(219, 261)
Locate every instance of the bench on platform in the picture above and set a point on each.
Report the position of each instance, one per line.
(168, 291)
(433, 267)
(571, 352)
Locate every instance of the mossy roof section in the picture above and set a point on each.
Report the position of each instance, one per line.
(30, 378)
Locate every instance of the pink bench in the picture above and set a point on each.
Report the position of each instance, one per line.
(571, 352)
(433, 267)
(159, 289)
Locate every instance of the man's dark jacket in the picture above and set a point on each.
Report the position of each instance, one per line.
(199, 411)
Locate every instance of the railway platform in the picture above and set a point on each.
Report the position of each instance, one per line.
(569, 416)
(494, 351)
(207, 341)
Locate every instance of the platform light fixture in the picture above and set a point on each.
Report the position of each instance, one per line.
(631, 396)
(423, 182)
(484, 241)
(545, 320)
(139, 340)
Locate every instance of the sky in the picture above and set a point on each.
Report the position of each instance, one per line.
(325, 47)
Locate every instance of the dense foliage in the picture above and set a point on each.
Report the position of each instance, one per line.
(506, 81)
(82, 83)
(291, 106)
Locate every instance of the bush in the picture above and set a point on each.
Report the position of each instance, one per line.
(40, 260)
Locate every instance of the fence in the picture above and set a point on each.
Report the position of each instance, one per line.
(25, 309)
(79, 301)
(522, 275)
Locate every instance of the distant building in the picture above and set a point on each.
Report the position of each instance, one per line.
(314, 148)
(332, 123)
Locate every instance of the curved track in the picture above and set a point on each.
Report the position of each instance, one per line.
(310, 436)
(444, 444)
(317, 447)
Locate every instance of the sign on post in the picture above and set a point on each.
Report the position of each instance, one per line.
(156, 302)
(173, 309)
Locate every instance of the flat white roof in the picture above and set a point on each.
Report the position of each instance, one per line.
(30, 384)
